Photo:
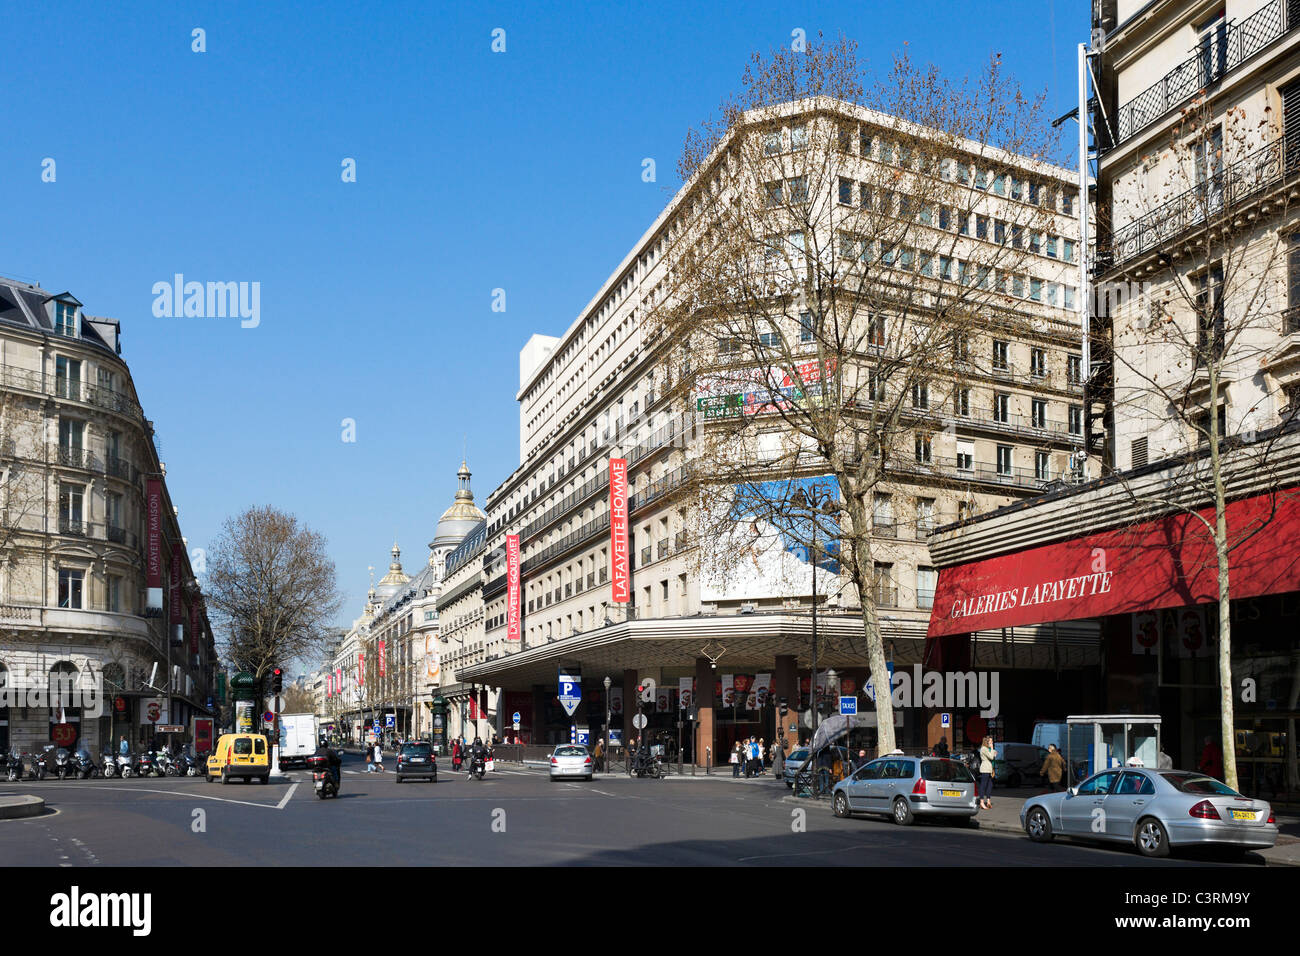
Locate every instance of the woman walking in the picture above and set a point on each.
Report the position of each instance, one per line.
(735, 761)
(987, 755)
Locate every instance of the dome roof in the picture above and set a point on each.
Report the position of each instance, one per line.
(393, 581)
(460, 519)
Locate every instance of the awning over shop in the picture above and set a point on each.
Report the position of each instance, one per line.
(1169, 562)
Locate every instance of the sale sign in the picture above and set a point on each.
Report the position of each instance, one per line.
(620, 582)
(514, 598)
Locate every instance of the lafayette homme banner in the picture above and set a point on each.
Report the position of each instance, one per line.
(514, 599)
(153, 545)
(618, 556)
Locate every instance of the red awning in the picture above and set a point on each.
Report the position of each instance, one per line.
(1158, 564)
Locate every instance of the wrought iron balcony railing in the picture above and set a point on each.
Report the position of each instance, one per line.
(1216, 56)
(1219, 194)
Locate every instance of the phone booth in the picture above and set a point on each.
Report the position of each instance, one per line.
(1114, 740)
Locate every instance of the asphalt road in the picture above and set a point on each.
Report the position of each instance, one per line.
(514, 817)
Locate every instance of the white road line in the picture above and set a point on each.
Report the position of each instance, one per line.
(280, 805)
(185, 793)
(602, 793)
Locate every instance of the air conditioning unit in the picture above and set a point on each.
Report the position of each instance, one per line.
(708, 609)
(747, 609)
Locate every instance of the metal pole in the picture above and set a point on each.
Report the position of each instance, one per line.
(1085, 314)
(812, 683)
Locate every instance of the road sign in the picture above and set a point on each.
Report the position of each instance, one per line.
(515, 718)
(516, 725)
(945, 720)
(268, 717)
(848, 706)
(870, 689)
(570, 694)
(639, 721)
(171, 729)
(390, 720)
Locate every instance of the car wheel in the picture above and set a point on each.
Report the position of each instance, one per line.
(225, 778)
(1151, 838)
(1039, 825)
(266, 778)
(902, 812)
(841, 805)
(398, 778)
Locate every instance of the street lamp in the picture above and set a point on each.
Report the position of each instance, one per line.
(814, 500)
(605, 757)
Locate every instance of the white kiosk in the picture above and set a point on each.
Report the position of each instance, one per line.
(1115, 739)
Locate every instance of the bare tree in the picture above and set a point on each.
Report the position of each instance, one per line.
(273, 589)
(299, 700)
(844, 243)
(1210, 317)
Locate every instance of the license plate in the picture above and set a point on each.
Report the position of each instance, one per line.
(1243, 814)
(417, 760)
(950, 793)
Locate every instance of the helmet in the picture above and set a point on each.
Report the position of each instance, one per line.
(478, 741)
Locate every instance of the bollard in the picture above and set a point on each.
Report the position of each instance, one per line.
(708, 761)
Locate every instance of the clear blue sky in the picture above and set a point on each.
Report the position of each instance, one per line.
(475, 171)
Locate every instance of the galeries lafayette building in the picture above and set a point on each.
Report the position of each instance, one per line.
(1133, 553)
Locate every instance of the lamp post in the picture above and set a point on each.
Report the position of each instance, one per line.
(815, 500)
(605, 757)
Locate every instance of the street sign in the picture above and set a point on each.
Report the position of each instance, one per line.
(390, 720)
(848, 706)
(570, 694)
(870, 689)
(515, 718)
(945, 720)
(268, 717)
(516, 725)
(171, 729)
(639, 721)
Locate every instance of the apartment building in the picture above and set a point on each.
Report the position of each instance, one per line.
(96, 585)
(598, 392)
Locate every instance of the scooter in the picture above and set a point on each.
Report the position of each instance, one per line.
(648, 766)
(456, 760)
(14, 765)
(62, 764)
(322, 776)
(128, 765)
(110, 764)
(41, 762)
(477, 767)
(164, 765)
(83, 765)
(145, 766)
(198, 764)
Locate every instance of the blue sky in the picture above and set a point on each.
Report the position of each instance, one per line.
(475, 171)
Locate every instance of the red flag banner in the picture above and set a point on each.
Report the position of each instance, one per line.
(514, 600)
(620, 583)
(361, 669)
(381, 658)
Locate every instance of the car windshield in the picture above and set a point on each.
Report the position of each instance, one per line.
(418, 750)
(1191, 783)
(945, 771)
(570, 751)
(801, 754)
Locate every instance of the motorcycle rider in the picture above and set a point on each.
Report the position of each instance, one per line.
(477, 752)
(330, 754)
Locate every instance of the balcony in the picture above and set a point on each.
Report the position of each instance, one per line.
(74, 457)
(1243, 180)
(1216, 57)
(884, 596)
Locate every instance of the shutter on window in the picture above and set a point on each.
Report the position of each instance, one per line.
(1139, 452)
(1291, 108)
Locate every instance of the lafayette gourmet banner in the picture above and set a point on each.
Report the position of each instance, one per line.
(514, 599)
(620, 583)
(1144, 567)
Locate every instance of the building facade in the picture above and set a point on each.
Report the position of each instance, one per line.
(96, 585)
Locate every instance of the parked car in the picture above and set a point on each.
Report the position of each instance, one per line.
(416, 759)
(904, 788)
(570, 760)
(1018, 764)
(794, 762)
(1153, 810)
(240, 755)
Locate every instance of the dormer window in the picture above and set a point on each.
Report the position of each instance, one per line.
(65, 319)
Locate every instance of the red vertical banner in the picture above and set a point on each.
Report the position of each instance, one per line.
(514, 599)
(381, 658)
(361, 668)
(620, 584)
(338, 680)
(196, 624)
(174, 596)
(153, 544)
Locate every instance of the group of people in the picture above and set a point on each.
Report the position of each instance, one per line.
(751, 757)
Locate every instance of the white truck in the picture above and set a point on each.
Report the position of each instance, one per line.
(298, 739)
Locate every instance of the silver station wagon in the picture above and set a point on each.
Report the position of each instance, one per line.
(904, 788)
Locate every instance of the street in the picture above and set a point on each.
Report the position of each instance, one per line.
(514, 817)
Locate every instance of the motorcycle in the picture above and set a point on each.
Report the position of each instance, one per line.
(198, 765)
(477, 766)
(14, 765)
(62, 767)
(147, 764)
(164, 765)
(128, 765)
(84, 765)
(648, 765)
(42, 762)
(322, 777)
(110, 764)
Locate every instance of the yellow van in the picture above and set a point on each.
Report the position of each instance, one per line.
(240, 755)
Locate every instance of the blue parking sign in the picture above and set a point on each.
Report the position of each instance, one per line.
(570, 690)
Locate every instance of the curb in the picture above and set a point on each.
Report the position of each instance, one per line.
(21, 805)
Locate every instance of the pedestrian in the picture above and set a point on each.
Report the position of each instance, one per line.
(764, 757)
(379, 758)
(1053, 768)
(778, 758)
(124, 748)
(988, 754)
(1211, 762)
(941, 748)
(862, 760)
(735, 761)
(598, 756)
(1164, 761)
(370, 760)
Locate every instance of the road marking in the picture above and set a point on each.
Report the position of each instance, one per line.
(186, 793)
(280, 805)
(602, 793)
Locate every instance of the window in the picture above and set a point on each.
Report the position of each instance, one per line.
(71, 499)
(799, 137)
(799, 189)
(70, 435)
(769, 340)
(920, 394)
(882, 513)
(961, 402)
(1068, 297)
(1067, 203)
(1018, 287)
(1038, 362)
(846, 192)
(775, 193)
(1038, 414)
(1076, 419)
(1050, 246)
(1016, 185)
(1035, 243)
(864, 143)
(875, 386)
(1036, 290)
(1000, 184)
(960, 347)
(71, 584)
(981, 227)
(67, 378)
(1001, 356)
(965, 455)
(1002, 407)
(1033, 193)
(923, 448)
(65, 320)
(113, 592)
(924, 515)
(926, 581)
(981, 179)
(876, 330)
(844, 138)
(1018, 237)
(772, 143)
(1209, 316)
(925, 264)
(884, 584)
(1004, 459)
(113, 512)
(1042, 466)
(945, 268)
(963, 224)
(1074, 369)
(999, 232)
(1067, 251)
(805, 326)
(945, 218)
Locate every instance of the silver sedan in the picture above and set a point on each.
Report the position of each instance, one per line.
(571, 760)
(1153, 810)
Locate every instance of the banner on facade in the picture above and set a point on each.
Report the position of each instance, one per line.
(620, 583)
(728, 690)
(196, 624)
(361, 668)
(381, 658)
(514, 600)
(686, 691)
(153, 545)
(432, 666)
(174, 595)
(615, 702)
(758, 693)
(1146, 632)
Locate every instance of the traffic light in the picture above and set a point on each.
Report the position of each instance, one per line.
(785, 708)
(277, 680)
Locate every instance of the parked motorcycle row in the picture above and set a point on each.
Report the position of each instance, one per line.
(61, 764)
